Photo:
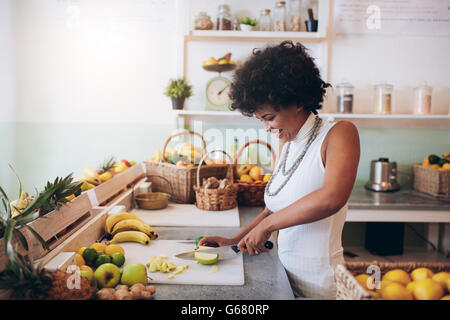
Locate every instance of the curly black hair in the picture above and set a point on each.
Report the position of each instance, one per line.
(278, 75)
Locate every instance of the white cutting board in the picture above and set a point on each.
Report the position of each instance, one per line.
(188, 215)
(230, 271)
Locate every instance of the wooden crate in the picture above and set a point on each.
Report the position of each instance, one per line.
(54, 227)
(348, 288)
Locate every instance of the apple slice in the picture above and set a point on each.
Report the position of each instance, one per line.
(206, 258)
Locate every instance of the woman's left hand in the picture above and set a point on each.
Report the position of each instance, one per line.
(253, 242)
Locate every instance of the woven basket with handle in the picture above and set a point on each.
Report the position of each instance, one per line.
(251, 193)
(432, 181)
(182, 178)
(348, 288)
(216, 199)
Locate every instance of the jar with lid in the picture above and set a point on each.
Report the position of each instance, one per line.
(344, 97)
(279, 16)
(295, 19)
(422, 99)
(203, 22)
(265, 21)
(224, 19)
(383, 98)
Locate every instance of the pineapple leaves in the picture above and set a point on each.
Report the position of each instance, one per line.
(7, 236)
(21, 238)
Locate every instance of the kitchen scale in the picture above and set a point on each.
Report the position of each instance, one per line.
(218, 88)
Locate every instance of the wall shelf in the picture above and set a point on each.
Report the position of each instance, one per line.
(214, 35)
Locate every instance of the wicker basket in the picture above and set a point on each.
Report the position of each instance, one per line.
(251, 193)
(348, 288)
(216, 199)
(432, 181)
(182, 178)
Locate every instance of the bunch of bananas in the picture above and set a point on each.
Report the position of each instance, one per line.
(127, 227)
(18, 205)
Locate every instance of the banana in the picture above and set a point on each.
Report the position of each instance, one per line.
(136, 225)
(130, 236)
(115, 218)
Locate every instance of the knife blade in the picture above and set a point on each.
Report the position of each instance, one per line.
(225, 252)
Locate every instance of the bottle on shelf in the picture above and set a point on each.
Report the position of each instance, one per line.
(224, 18)
(295, 19)
(265, 21)
(305, 5)
(203, 22)
(279, 16)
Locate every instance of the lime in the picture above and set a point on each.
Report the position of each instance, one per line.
(198, 240)
(118, 259)
(101, 259)
(89, 255)
(206, 258)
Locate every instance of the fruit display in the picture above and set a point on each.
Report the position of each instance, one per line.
(186, 155)
(438, 163)
(419, 284)
(225, 60)
(160, 264)
(110, 167)
(252, 174)
(127, 227)
(19, 205)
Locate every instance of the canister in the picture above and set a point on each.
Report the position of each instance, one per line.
(422, 99)
(383, 98)
(344, 97)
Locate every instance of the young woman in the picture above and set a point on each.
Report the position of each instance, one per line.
(306, 198)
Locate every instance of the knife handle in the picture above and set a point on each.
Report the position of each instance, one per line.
(268, 245)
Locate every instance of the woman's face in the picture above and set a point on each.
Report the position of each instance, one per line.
(285, 123)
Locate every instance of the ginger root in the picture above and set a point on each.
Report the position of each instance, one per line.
(122, 292)
(106, 294)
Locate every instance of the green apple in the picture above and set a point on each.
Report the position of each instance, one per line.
(107, 275)
(206, 258)
(134, 273)
(118, 259)
(101, 259)
(223, 61)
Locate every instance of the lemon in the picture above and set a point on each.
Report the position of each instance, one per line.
(244, 169)
(395, 291)
(113, 248)
(267, 177)
(362, 279)
(99, 247)
(256, 173)
(428, 289)
(397, 275)
(447, 297)
(421, 273)
(81, 250)
(442, 278)
(411, 287)
(79, 260)
(86, 268)
(246, 178)
(435, 166)
(206, 258)
(448, 285)
(446, 166)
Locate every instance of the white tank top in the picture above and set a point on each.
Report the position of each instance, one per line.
(308, 252)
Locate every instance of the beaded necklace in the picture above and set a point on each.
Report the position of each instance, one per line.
(282, 167)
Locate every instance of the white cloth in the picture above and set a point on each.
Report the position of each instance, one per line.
(308, 252)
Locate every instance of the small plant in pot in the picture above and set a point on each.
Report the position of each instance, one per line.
(178, 90)
(247, 24)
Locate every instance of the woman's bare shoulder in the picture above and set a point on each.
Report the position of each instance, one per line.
(343, 129)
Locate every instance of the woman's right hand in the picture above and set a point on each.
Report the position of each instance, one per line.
(216, 241)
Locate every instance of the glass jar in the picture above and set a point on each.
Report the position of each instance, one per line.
(295, 19)
(224, 19)
(383, 98)
(344, 97)
(279, 16)
(422, 99)
(203, 22)
(265, 21)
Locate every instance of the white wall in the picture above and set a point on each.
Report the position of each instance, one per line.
(6, 74)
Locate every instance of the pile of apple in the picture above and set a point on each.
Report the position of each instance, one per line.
(112, 283)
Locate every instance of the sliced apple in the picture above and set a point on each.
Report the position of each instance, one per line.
(206, 258)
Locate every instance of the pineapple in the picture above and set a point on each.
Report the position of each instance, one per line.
(63, 187)
(25, 281)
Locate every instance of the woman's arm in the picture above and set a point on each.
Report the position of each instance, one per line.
(341, 163)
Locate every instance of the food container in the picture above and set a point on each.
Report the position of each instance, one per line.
(152, 200)
(344, 97)
(383, 98)
(279, 16)
(224, 18)
(265, 21)
(422, 100)
(203, 22)
(295, 19)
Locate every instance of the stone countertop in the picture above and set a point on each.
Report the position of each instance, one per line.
(404, 199)
(265, 278)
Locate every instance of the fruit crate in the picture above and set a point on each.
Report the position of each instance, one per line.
(109, 190)
(54, 227)
(348, 288)
(432, 181)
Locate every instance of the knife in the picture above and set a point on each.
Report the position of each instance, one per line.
(225, 252)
